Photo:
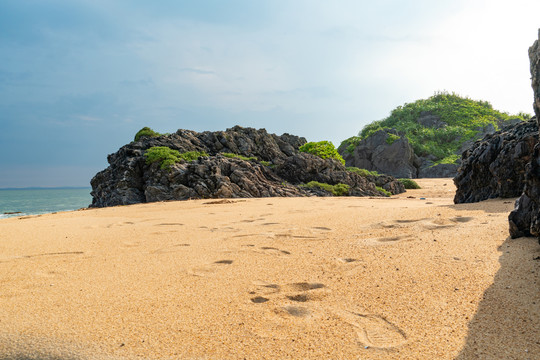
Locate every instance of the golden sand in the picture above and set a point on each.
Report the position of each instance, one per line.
(408, 277)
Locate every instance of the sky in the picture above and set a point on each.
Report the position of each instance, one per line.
(78, 78)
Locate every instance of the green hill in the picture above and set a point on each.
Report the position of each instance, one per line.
(455, 120)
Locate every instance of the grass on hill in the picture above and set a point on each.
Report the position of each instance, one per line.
(464, 118)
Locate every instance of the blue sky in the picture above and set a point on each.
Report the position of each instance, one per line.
(79, 78)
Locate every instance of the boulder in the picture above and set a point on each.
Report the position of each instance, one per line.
(524, 220)
(385, 151)
(495, 166)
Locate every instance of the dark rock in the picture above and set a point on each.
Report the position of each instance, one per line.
(495, 166)
(129, 180)
(378, 152)
(429, 170)
(524, 220)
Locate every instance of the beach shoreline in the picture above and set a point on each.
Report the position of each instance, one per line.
(410, 276)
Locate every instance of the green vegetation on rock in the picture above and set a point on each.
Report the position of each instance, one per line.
(383, 191)
(322, 149)
(192, 155)
(409, 184)
(168, 157)
(392, 138)
(146, 131)
(237, 156)
(337, 190)
(362, 172)
(450, 159)
(460, 119)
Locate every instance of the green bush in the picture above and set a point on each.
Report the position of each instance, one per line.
(391, 138)
(451, 159)
(409, 184)
(337, 190)
(362, 172)
(322, 149)
(146, 131)
(168, 157)
(351, 143)
(463, 116)
(384, 192)
(163, 154)
(192, 155)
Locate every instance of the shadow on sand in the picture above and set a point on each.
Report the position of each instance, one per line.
(507, 322)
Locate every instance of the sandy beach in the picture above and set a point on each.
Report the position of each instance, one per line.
(408, 277)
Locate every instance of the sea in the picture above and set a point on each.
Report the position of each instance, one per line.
(35, 201)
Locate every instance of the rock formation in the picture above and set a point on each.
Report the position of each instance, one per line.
(495, 166)
(280, 170)
(385, 152)
(389, 152)
(524, 220)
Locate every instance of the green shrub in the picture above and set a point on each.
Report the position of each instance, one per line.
(384, 192)
(322, 149)
(146, 131)
(362, 172)
(168, 157)
(409, 184)
(192, 155)
(337, 190)
(451, 159)
(237, 156)
(391, 138)
(165, 155)
(351, 143)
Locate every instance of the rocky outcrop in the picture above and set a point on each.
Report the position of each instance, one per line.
(280, 170)
(495, 166)
(524, 220)
(389, 152)
(385, 151)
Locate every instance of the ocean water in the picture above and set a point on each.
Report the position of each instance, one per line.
(42, 201)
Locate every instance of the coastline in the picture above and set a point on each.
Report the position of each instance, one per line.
(411, 276)
(17, 202)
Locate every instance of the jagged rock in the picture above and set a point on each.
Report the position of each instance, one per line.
(495, 166)
(130, 180)
(524, 220)
(385, 154)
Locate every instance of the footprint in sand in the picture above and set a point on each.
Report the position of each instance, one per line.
(461, 219)
(272, 251)
(287, 295)
(210, 269)
(373, 330)
(170, 249)
(387, 239)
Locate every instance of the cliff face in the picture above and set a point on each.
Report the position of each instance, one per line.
(280, 170)
(524, 220)
(495, 166)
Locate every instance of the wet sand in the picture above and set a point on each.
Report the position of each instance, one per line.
(408, 277)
